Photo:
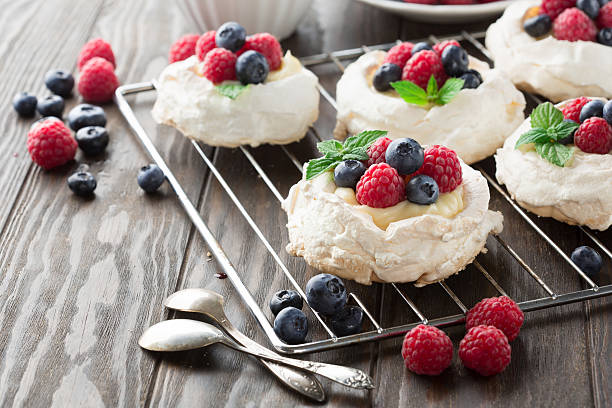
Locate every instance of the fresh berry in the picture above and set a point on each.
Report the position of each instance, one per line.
(422, 66)
(572, 109)
(85, 114)
(347, 321)
(285, 298)
(404, 155)
(380, 186)
(230, 36)
(59, 82)
(50, 143)
(267, 45)
(150, 178)
(385, 75)
(377, 150)
(421, 46)
(589, 7)
(427, 350)
(205, 43)
(538, 26)
(422, 189)
(594, 136)
(96, 48)
(442, 164)
(587, 259)
(92, 140)
(291, 325)
(604, 36)
(455, 61)
(592, 109)
(183, 48)
(485, 349)
(97, 82)
(555, 7)
(603, 2)
(501, 312)
(574, 25)
(399, 54)
(51, 106)
(604, 20)
(440, 47)
(326, 294)
(471, 79)
(219, 65)
(348, 173)
(607, 112)
(252, 68)
(25, 104)
(569, 139)
(82, 183)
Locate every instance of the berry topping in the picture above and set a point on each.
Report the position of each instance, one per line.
(25, 104)
(604, 20)
(92, 140)
(442, 164)
(252, 68)
(587, 259)
(97, 82)
(230, 36)
(427, 350)
(471, 79)
(326, 294)
(82, 183)
(59, 82)
(569, 139)
(538, 26)
(205, 43)
(380, 186)
(501, 312)
(440, 47)
(377, 150)
(399, 54)
(385, 75)
(285, 298)
(607, 112)
(291, 325)
(404, 155)
(183, 48)
(485, 349)
(267, 45)
(455, 61)
(572, 109)
(593, 108)
(422, 66)
(51, 106)
(574, 25)
(85, 114)
(421, 46)
(555, 7)
(150, 178)
(50, 143)
(219, 65)
(348, 173)
(594, 136)
(96, 48)
(604, 36)
(422, 189)
(589, 7)
(347, 321)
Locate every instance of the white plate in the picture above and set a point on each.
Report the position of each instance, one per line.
(442, 14)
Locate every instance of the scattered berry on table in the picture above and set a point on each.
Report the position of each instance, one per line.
(205, 43)
(347, 321)
(594, 136)
(427, 350)
(440, 47)
(82, 183)
(92, 140)
(96, 48)
(219, 65)
(150, 178)
(231, 36)
(604, 19)
(385, 75)
(405, 155)
(555, 7)
(604, 36)
(422, 66)
(183, 48)
(348, 173)
(25, 104)
(442, 164)
(571, 110)
(422, 189)
(589, 7)
(377, 150)
(59, 82)
(380, 186)
(607, 112)
(471, 79)
(574, 25)
(98, 82)
(501, 312)
(51, 106)
(399, 54)
(421, 46)
(538, 26)
(455, 61)
(267, 45)
(326, 294)
(285, 298)
(569, 139)
(485, 349)
(85, 114)
(592, 109)
(587, 259)
(291, 325)
(252, 68)
(50, 143)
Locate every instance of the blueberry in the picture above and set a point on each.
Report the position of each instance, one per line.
(422, 190)
(86, 115)
(285, 298)
(291, 325)
(92, 139)
(471, 79)
(591, 109)
(385, 75)
(231, 36)
(421, 46)
(590, 7)
(82, 183)
(537, 26)
(348, 321)
(25, 104)
(588, 260)
(252, 68)
(607, 112)
(604, 36)
(455, 61)
(150, 178)
(59, 82)
(405, 155)
(51, 106)
(570, 138)
(326, 294)
(348, 173)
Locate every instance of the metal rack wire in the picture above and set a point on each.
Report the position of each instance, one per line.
(379, 332)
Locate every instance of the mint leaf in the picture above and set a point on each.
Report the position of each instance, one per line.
(432, 87)
(563, 129)
(363, 139)
(546, 116)
(537, 135)
(450, 89)
(329, 146)
(556, 153)
(320, 165)
(232, 91)
(411, 92)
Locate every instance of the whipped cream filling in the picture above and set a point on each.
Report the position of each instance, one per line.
(474, 124)
(556, 69)
(279, 111)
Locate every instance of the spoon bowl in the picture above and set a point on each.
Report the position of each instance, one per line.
(180, 335)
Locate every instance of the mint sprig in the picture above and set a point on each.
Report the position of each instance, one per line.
(232, 91)
(414, 94)
(353, 148)
(547, 128)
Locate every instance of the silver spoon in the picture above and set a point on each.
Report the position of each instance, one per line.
(211, 303)
(186, 334)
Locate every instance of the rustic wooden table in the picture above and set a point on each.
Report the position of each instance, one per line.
(81, 279)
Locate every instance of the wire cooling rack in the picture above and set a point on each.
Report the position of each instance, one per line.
(377, 331)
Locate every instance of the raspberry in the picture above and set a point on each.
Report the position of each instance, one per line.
(442, 164)
(97, 82)
(604, 19)
(380, 187)
(422, 66)
(96, 48)
(571, 110)
(427, 350)
(183, 48)
(50, 143)
(399, 54)
(501, 312)
(485, 349)
(267, 45)
(439, 48)
(377, 150)
(594, 136)
(555, 7)
(574, 25)
(205, 43)
(219, 65)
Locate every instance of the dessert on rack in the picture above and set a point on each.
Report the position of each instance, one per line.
(555, 48)
(373, 209)
(234, 89)
(558, 163)
(433, 94)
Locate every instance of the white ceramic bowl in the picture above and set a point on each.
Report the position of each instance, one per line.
(277, 17)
